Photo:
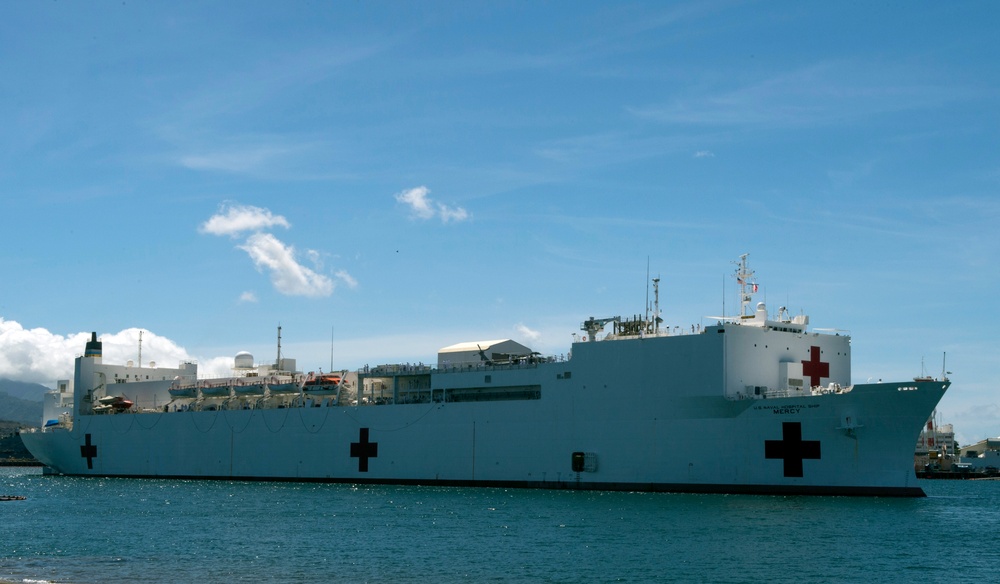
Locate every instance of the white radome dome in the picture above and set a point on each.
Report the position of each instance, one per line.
(244, 360)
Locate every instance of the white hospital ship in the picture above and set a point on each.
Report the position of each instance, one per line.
(750, 404)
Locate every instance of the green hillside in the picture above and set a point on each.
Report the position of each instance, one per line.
(14, 409)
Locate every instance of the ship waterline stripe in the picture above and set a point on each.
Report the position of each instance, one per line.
(570, 485)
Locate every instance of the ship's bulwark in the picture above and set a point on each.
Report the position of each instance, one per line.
(694, 412)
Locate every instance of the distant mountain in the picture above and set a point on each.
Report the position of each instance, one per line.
(15, 409)
(23, 390)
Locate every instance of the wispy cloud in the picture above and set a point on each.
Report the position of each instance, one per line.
(292, 156)
(422, 207)
(248, 297)
(704, 154)
(205, 129)
(246, 90)
(346, 278)
(233, 159)
(823, 93)
(589, 151)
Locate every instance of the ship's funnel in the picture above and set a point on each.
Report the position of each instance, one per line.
(94, 347)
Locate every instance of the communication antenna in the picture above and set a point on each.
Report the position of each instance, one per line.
(331, 347)
(656, 305)
(647, 290)
(747, 283)
(723, 313)
(140, 348)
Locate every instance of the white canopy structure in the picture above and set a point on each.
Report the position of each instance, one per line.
(473, 353)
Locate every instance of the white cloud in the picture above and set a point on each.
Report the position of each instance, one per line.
(122, 346)
(417, 200)
(422, 207)
(215, 367)
(527, 333)
(704, 154)
(36, 355)
(39, 356)
(288, 276)
(234, 219)
(448, 214)
(272, 255)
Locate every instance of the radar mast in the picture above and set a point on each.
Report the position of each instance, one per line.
(747, 282)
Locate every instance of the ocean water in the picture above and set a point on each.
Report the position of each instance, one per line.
(149, 530)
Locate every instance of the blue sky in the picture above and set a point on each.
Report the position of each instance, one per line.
(398, 177)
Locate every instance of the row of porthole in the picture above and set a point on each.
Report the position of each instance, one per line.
(789, 349)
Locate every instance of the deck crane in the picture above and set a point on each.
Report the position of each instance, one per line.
(592, 326)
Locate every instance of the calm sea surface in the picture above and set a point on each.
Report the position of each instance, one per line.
(122, 530)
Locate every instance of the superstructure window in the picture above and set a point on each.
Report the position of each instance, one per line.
(475, 394)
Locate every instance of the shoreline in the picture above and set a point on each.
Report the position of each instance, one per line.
(19, 462)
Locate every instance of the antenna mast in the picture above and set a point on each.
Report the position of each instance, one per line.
(656, 306)
(140, 348)
(277, 364)
(747, 284)
(647, 290)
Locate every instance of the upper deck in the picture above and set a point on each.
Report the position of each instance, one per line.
(747, 356)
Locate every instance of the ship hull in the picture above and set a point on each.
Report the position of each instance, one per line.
(854, 443)
(737, 409)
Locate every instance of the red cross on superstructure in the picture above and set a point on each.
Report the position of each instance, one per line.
(814, 369)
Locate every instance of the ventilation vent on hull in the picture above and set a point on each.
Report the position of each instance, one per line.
(584, 462)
